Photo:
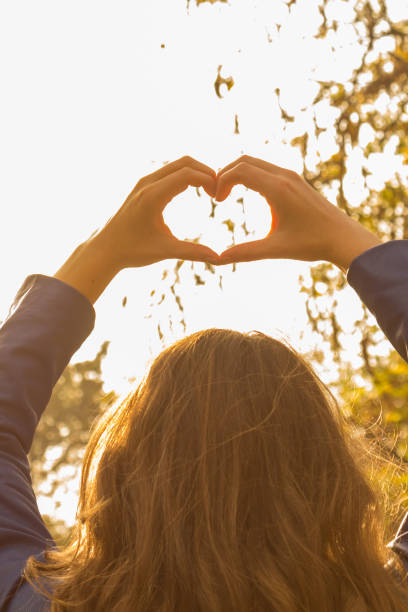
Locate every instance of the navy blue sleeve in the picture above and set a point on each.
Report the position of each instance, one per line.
(380, 277)
(48, 322)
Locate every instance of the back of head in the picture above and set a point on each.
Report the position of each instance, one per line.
(225, 482)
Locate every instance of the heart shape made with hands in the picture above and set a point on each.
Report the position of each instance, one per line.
(304, 225)
(217, 224)
(188, 172)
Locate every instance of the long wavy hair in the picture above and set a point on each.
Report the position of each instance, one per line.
(227, 481)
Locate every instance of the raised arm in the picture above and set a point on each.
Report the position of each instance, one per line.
(137, 235)
(48, 323)
(50, 319)
(305, 226)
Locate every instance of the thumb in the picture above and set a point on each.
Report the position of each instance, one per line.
(191, 251)
(248, 251)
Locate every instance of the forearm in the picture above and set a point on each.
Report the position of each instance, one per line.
(351, 241)
(89, 269)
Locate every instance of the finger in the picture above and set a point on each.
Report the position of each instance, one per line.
(173, 167)
(163, 191)
(190, 251)
(246, 174)
(248, 251)
(255, 161)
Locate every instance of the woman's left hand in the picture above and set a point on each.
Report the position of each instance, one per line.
(137, 235)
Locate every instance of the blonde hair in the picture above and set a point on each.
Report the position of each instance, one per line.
(226, 481)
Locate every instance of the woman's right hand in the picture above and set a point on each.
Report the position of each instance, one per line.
(305, 225)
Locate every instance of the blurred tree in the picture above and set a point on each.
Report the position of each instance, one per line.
(384, 400)
(63, 431)
(372, 104)
(373, 101)
(378, 409)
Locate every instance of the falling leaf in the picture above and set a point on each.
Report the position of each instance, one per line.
(213, 207)
(236, 131)
(284, 114)
(178, 265)
(210, 268)
(124, 301)
(198, 2)
(198, 280)
(229, 82)
(179, 304)
(244, 227)
(230, 225)
(301, 142)
(287, 117)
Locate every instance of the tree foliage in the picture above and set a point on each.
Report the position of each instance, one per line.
(379, 76)
(63, 431)
(373, 100)
(384, 402)
(378, 409)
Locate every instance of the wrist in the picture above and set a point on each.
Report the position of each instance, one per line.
(350, 243)
(89, 269)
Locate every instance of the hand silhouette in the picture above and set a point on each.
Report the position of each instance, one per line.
(137, 235)
(305, 226)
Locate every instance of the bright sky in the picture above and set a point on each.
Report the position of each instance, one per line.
(91, 102)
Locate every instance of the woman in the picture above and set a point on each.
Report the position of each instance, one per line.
(227, 480)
